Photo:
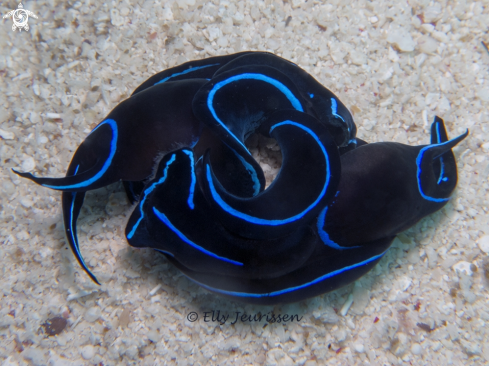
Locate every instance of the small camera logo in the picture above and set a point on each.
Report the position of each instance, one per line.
(20, 17)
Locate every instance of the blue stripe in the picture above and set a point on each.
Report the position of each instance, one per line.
(190, 200)
(252, 171)
(73, 237)
(184, 72)
(442, 165)
(419, 159)
(257, 220)
(324, 235)
(438, 138)
(165, 252)
(193, 143)
(295, 288)
(113, 149)
(147, 191)
(246, 76)
(334, 107)
(167, 222)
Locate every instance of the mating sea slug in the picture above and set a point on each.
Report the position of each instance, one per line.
(329, 216)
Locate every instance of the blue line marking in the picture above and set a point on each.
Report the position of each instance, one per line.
(257, 220)
(419, 158)
(193, 143)
(334, 107)
(165, 252)
(288, 94)
(167, 222)
(113, 149)
(183, 73)
(131, 190)
(73, 237)
(147, 191)
(324, 235)
(438, 138)
(190, 200)
(251, 170)
(442, 165)
(295, 288)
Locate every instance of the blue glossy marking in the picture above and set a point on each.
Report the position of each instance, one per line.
(334, 109)
(73, 237)
(113, 149)
(194, 142)
(442, 165)
(165, 252)
(184, 72)
(190, 200)
(295, 288)
(167, 222)
(288, 94)
(324, 235)
(441, 178)
(419, 158)
(146, 192)
(252, 171)
(311, 95)
(438, 138)
(260, 221)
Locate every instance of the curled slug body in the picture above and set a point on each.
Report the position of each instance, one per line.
(384, 189)
(178, 144)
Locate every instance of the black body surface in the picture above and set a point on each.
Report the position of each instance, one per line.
(178, 144)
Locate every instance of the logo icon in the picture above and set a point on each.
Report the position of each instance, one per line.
(20, 18)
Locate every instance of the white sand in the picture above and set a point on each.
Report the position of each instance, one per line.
(393, 71)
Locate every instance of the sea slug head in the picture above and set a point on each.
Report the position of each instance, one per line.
(387, 187)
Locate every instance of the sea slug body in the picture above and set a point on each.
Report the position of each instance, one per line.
(178, 144)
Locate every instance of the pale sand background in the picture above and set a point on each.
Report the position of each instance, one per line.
(395, 64)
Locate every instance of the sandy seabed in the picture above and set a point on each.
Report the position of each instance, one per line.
(394, 64)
